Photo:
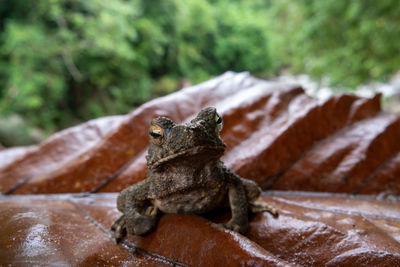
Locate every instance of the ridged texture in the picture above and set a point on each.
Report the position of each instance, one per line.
(275, 135)
(311, 230)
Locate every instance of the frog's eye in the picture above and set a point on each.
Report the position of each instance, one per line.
(156, 133)
(218, 120)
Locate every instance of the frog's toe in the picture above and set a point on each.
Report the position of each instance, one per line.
(241, 228)
(257, 207)
(140, 224)
(119, 229)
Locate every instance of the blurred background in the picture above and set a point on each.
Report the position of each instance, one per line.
(63, 62)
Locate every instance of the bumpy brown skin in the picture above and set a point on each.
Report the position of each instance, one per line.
(185, 175)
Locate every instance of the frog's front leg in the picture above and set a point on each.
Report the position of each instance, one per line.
(139, 214)
(238, 204)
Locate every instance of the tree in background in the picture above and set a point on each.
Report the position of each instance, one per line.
(351, 42)
(73, 60)
(66, 61)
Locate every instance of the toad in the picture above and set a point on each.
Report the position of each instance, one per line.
(185, 175)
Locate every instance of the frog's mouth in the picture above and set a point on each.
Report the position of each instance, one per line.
(217, 150)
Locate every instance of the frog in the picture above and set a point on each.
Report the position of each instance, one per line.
(185, 175)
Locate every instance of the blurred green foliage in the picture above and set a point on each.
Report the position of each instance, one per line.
(351, 42)
(66, 61)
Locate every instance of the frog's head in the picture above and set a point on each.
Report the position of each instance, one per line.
(197, 141)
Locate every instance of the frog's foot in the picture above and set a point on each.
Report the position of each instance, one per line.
(119, 229)
(240, 227)
(138, 224)
(261, 207)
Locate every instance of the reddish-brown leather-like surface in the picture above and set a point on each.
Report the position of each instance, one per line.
(311, 230)
(275, 135)
(55, 152)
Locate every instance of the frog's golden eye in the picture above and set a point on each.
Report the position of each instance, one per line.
(218, 120)
(156, 133)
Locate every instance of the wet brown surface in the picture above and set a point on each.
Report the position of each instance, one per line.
(54, 231)
(275, 135)
(11, 154)
(346, 161)
(331, 231)
(386, 176)
(311, 230)
(55, 152)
